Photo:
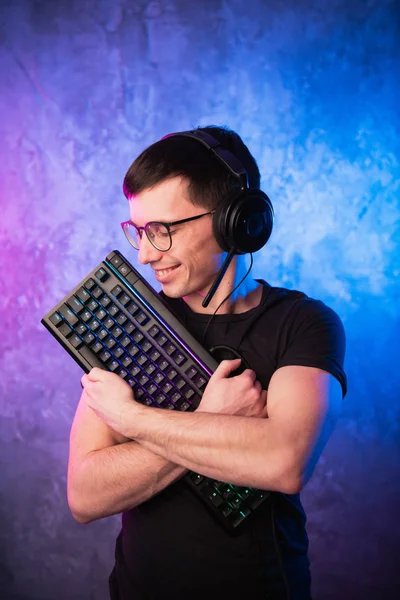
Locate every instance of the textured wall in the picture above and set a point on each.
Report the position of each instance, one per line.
(312, 87)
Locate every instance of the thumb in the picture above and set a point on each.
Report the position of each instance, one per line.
(226, 367)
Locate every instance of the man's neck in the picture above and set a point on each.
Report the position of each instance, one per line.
(246, 297)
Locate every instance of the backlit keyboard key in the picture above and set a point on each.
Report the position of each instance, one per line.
(90, 284)
(68, 315)
(83, 295)
(75, 304)
(117, 291)
(104, 356)
(101, 314)
(56, 319)
(102, 274)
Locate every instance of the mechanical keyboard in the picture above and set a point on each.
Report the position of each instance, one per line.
(114, 319)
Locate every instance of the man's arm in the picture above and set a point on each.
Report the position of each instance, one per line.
(278, 453)
(107, 472)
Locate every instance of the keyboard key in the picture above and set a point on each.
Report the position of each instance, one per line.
(162, 364)
(116, 261)
(97, 347)
(109, 323)
(127, 361)
(162, 339)
(92, 304)
(153, 331)
(179, 358)
(216, 499)
(180, 383)
(143, 379)
(102, 334)
(101, 314)
(86, 316)
(124, 269)
(196, 478)
(150, 368)
(169, 348)
(102, 274)
(83, 295)
(138, 337)
(167, 387)
(176, 397)
(118, 352)
(200, 381)
(135, 370)
(160, 398)
(191, 372)
(113, 310)
(151, 388)
(146, 346)
(132, 308)
(56, 319)
(141, 318)
(113, 365)
(68, 315)
(154, 355)
(125, 341)
(121, 319)
(110, 343)
(75, 304)
(124, 299)
(183, 405)
(104, 356)
(129, 327)
(226, 510)
(89, 338)
(141, 359)
(90, 284)
(172, 374)
(239, 517)
(158, 377)
(88, 355)
(97, 292)
(257, 498)
(117, 291)
(117, 332)
(105, 300)
(122, 373)
(81, 329)
(188, 393)
(132, 350)
(94, 325)
(75, 341)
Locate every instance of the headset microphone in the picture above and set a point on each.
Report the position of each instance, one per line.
(218, 279)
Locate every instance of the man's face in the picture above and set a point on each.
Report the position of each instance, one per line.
(192, 262)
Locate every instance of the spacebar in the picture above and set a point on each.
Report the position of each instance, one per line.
(90, 357)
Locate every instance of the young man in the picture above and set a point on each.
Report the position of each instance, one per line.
(125, 457)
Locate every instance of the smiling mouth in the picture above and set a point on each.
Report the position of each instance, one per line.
(163, 272)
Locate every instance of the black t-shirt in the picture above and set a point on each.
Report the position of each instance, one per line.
(170, 546)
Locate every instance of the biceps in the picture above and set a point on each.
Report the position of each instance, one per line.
(89, 433)
(305, 403)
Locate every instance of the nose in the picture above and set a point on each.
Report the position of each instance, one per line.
(147, 252)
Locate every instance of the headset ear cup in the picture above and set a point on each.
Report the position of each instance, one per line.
(243, 221)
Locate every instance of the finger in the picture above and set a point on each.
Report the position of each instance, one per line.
(84, 380)
(96, 374)
(226, 367)
(258, 386)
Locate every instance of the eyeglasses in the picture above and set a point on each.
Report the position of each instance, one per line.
(157, 232)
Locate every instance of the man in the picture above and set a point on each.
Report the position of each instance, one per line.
(125, 457)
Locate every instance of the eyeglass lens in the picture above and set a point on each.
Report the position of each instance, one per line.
(157, 234)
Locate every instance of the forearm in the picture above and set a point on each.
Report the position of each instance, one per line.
(117, 478)
(240, 450)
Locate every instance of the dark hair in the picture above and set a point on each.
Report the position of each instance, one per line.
(209, 180)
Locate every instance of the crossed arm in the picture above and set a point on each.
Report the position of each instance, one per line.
(120, 457)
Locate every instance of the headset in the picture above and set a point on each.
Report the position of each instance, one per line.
(242, 221)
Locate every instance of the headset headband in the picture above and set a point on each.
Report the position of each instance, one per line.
(226, 157)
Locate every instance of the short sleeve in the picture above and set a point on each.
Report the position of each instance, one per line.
(315, 337)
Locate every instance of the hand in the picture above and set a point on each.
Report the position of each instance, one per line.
(240, 395)
(110, 397)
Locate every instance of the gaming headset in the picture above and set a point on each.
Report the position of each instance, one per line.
(242, 221)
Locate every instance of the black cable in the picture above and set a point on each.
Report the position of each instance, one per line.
(230, 293)
(278, 550)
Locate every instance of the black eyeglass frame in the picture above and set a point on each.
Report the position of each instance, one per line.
(168, 226)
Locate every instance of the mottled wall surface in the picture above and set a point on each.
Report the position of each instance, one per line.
(313, 88)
